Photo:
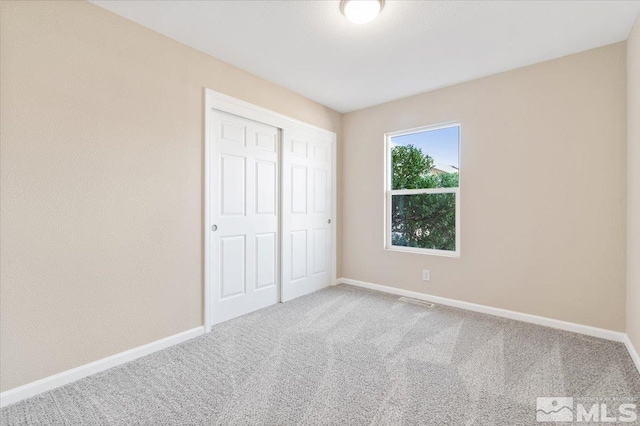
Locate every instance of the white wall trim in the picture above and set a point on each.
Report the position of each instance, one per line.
(14, 395)
(518, 316)
(219, 101)
(632, 351)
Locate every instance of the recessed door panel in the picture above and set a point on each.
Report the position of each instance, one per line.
(320, 190)
(232, 266)
(232, 132)
(319, 250)
(266, 187)
(266, 260)
(299, 189)
(320, 153)
(232, 185)
(266, 141)
(298, 254)
(299, 148)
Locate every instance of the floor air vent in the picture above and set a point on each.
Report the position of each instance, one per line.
(417, 302)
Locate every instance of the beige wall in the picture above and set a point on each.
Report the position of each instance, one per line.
(102, 174)
(543, 172)
(633, 185)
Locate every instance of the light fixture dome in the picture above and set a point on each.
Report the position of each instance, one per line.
(361, 11)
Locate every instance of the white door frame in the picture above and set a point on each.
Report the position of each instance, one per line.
(218, 101)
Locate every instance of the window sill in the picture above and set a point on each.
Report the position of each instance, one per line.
(431, 252)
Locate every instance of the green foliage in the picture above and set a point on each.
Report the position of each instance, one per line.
(410, 167)
(421, 220)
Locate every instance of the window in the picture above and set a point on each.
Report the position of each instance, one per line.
(422, 191)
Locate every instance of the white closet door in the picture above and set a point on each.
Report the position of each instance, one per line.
(306, 221)
(243, 215)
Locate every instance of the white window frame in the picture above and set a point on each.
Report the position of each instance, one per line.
(389, 192)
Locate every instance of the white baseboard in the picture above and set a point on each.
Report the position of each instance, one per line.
(533, 319)
(48, 383)
(633, 352)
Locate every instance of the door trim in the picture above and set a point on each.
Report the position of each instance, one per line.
(218, 101)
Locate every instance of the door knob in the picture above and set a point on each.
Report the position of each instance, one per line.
(329, 221)
(214, 228)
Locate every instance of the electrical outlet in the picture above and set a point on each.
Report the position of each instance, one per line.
(426, 275)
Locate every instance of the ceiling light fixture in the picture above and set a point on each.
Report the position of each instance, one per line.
(361, 11)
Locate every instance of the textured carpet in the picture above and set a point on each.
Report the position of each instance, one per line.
(346, 356)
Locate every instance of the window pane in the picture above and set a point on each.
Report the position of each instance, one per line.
(424, 220)
(427, 159)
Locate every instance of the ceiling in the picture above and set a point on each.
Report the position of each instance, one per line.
(412, 47)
